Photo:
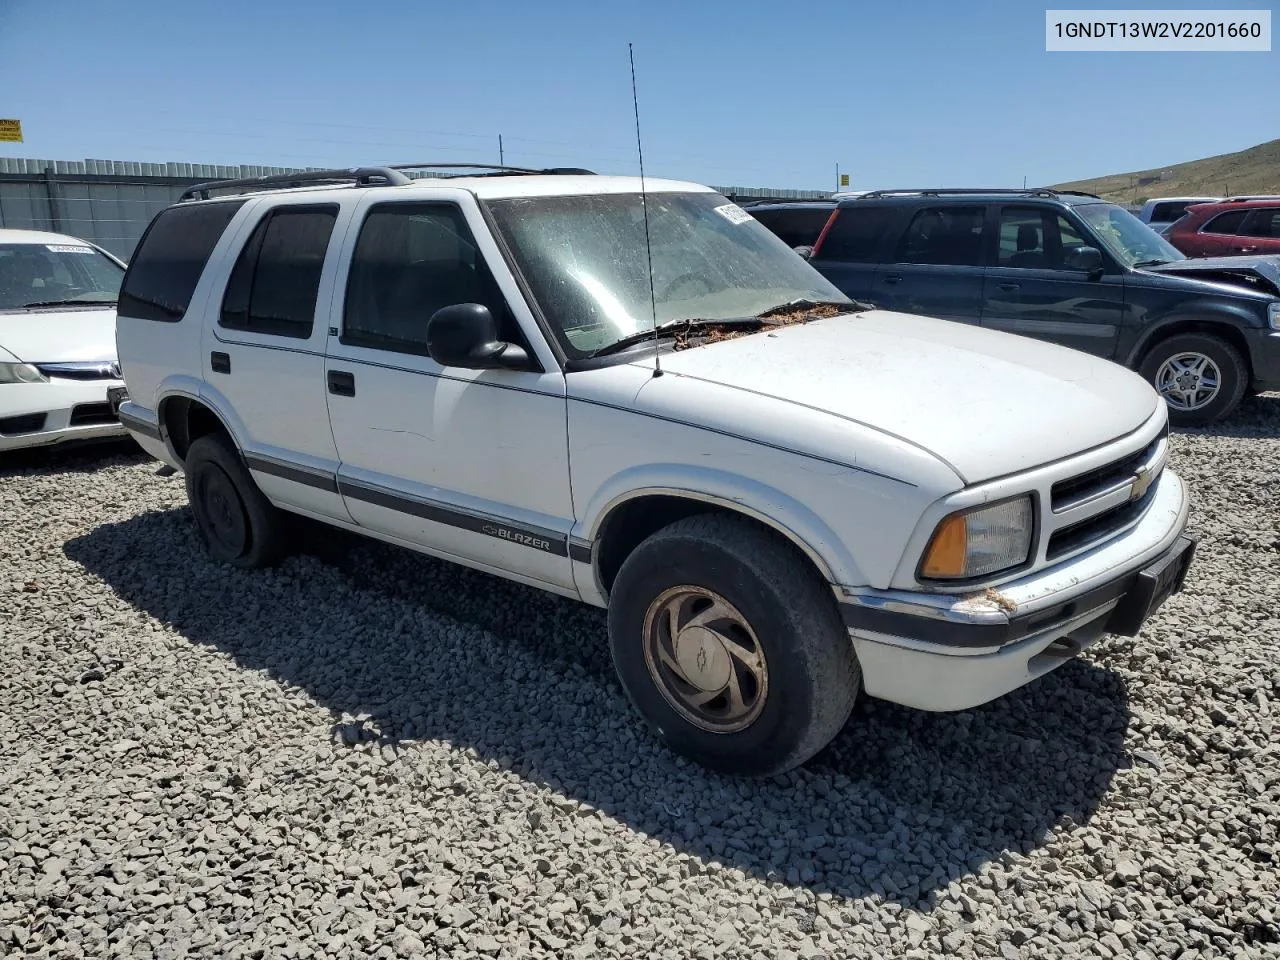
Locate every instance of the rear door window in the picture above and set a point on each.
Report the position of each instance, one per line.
(795, 228)
(274, 284)
(172, 254)
(855, 235)
(945, 235)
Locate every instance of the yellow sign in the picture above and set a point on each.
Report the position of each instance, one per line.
(10, 131)
(844, 177)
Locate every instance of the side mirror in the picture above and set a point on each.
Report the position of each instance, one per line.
(1084, 259)
(805, 251)
(465, 335)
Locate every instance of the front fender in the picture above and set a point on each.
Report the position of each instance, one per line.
(772, 507)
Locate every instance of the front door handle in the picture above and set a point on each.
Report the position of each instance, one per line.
(219, 362)
(893, 278)
(1007, 286)
(342, 383)
(1245, 249)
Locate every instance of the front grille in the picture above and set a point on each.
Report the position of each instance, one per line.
(1079, 535)
(84, 414)
(1092, 483)
(27, 423)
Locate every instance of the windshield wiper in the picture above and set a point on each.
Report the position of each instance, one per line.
(669, 329)
(68, 303)
(1151, 263)
(804, 303)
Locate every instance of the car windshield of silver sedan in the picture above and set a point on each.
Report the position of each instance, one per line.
(36, 275)
(586, 261)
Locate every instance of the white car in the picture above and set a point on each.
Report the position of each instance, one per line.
(783, 498)
(59, 378)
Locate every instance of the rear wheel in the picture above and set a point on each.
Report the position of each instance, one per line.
(236, 522)
(730, 646)
(1201, 377)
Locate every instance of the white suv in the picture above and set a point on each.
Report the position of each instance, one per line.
(781, 497)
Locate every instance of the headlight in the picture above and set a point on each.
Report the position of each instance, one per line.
(21, 373)
(973, 543)
(1273, 314)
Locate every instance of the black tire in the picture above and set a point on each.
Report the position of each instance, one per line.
(236, 523)
(812, 676)
(1232, 382)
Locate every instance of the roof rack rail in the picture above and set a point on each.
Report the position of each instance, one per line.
(970, 191)
(1246, 197)
(498, 170)
(362, 176)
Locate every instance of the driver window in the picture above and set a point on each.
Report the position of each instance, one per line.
(410, 260)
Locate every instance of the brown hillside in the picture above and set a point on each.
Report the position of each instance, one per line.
(1256, 170)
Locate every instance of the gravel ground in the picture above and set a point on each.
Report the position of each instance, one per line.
(369, 753)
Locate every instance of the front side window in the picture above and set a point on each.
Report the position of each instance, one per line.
(796, 227)
(274, 285)
(167, 265)
(410, 260)
(1263, 223)
(1034, 238)
(1226, 224)
(855, 234)
(944, 235)
(584, 258)
(36, 275)
(1128, 239)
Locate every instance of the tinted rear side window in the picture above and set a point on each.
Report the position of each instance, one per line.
(276, 278)
(795, 228)
(1228, 223)
(170, 258)
(855, 235)
(1167, 212)
(944, 235)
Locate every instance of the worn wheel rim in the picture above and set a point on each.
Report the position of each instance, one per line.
(706, 659)
(222, 513)
(1189, 381)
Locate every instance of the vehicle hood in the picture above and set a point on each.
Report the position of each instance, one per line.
(1260, 273)
(986, 403)
(48, 336)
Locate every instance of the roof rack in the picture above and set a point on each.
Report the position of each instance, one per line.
(387, 176)
(497, 170)
(971, 191)
(1245, 198)
(362, 176)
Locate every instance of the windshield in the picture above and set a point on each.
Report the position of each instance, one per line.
(1129, 239)
(56, 273)
(584, 259)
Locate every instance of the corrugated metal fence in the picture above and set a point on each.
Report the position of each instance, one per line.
(110, 202)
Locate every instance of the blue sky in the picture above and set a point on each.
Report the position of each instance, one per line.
(746, 93)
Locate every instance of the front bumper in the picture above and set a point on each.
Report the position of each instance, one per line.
(949, 652)
(1264, 354)
(39, 414)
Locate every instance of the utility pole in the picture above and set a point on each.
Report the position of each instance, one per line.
(500, 156)
(837, 176)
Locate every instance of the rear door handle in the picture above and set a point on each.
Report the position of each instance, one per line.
(892, 277)
(342, 383)
(219, 362)
(1007, 286)
(1245, 249)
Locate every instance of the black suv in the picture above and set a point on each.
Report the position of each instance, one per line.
(1059, 266)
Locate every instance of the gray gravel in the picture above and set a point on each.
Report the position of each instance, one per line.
(370, 753)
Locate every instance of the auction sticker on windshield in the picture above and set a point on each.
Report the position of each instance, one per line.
(733, 213)
(67, 248)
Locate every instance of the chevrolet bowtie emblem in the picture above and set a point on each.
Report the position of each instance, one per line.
(1141, 483)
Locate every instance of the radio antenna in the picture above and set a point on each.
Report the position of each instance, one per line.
(644, 205)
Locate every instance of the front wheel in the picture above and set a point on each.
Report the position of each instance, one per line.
(731, 647)
(1201, 377)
